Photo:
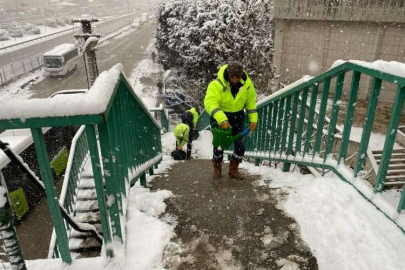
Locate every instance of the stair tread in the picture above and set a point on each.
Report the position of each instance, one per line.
(86, 183)
(88, 217)
(76, 234)
(80, 244)
(86, 194)
(86, 206)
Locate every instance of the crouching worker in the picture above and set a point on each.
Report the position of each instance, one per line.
(182, 134)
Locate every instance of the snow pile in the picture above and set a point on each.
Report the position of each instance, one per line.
(94, 101)
(392, 67)
(3, 198)
(343, 230)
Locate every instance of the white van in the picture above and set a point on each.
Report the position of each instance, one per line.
(61, 60)
(136, 23)
(144, 18)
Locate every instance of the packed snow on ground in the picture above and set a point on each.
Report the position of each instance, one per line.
(19, 89)
(148, 232)
(343, 230)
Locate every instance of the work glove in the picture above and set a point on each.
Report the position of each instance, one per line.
(225, 125)
(252, 126)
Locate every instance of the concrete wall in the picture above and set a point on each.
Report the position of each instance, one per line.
(311, 46)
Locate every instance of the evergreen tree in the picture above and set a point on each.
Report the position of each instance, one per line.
(196, 37)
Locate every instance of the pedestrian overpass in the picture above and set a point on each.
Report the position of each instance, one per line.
(119, 143)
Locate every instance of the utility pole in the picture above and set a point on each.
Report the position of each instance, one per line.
(129, 17)
(89, 42)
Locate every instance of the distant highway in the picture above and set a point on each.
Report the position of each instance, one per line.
(128, 48)
(48, 44)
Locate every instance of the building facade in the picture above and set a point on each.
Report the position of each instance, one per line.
(312, 34)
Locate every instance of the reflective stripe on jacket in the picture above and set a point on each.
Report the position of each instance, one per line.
(219, 98)
(195, 115)
(181, 132)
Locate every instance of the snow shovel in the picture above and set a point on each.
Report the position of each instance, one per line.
(222, 138)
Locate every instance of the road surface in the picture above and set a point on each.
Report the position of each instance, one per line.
(48, 44)
(129, 48)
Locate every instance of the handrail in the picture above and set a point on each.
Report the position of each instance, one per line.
(287, 131)
(128, 145)
(72, 173)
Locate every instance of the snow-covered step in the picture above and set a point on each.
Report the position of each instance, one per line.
(76, 234)
(395, 184)
(396, 172)
(86, 183)
(86, 206)
(88, 217)
(394, 177)
(394, 161)
(393, 155)
(395, 150)
(77, 244)
(86, 194)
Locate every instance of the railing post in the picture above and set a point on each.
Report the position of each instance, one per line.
(47, 178)
(98, 181)
(286, 166)
(334, 114)
(273, 126)
(396, 114)
(110, 179)
(279, 124)
(143, 179)
(349, 116)
(311, 116)
(300, 125)
(368, 125)
(321, 115)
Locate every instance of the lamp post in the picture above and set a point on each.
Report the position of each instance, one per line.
(89, 41)
(129, 17)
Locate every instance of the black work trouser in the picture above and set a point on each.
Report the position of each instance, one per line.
(236, 121)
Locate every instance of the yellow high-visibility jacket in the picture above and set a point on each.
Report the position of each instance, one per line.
(195, 115)
(219, 98)
(181, 132)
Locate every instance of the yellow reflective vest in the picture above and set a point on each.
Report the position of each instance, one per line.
(181, 132)
(195, 115)
(219, 98)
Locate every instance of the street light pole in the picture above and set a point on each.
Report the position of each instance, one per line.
(129, 17)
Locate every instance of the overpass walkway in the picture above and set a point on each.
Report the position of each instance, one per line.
(226, 224)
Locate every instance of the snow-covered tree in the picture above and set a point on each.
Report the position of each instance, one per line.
(196, 37)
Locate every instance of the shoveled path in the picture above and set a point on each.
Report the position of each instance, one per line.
(229, 224)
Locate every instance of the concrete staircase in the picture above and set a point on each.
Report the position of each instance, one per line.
(83, 245)
(396, 170)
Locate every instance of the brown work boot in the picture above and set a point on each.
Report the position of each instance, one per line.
(233, 170)
(217, 169)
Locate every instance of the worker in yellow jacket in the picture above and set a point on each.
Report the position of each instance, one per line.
(182, 133)
(226, 100)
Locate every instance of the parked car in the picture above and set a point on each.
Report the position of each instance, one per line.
(4, 35)
(29, 29)
(60, 22)
(16, 32)
(51, 23)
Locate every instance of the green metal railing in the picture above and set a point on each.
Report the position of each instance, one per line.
(289, 132)
(78, 156)
(161, 114)
(129, 142)
(204, 121)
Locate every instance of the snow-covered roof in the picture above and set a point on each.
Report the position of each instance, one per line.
(61, 50)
